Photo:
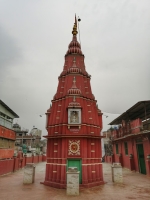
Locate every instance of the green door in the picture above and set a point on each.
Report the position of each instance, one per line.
(75, 163)
(141, 158)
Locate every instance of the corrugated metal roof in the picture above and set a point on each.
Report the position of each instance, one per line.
(140, 110)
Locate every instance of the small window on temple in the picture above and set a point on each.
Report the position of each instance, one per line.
(74, 116)
(117, 151)
(126, 148)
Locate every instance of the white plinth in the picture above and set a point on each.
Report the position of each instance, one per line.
(29, 173)
(117, 173)
(72, 183)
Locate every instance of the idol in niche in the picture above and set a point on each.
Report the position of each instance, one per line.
(74, 117)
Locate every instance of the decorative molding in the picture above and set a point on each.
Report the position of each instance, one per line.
(56, 158)
(90, 125)
(91, 158)
(74, 147)
(65, 75)
(82, 159)
(55, 163)
(81, 97)
(92, 164)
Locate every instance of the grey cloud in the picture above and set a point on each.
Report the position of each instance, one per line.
(115, 37)
(9, 51)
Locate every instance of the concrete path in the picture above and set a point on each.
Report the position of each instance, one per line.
(134, 186)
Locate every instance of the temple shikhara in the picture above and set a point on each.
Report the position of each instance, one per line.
(74, 124)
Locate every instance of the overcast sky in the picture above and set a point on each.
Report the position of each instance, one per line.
(34, 37)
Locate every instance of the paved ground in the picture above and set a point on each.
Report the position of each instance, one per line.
(134, 186)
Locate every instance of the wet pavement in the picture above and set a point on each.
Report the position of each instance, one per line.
(134, 186)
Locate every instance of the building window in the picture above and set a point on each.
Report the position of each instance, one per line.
(126, 148)
(117, 151)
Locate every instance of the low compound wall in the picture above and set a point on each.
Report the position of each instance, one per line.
(14, 164)
(109, 159)
(6, 166)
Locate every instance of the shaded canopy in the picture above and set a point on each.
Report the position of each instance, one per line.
(140, 110)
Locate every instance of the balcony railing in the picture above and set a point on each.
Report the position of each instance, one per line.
(132, 127)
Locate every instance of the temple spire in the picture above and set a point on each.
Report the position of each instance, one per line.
(74, 31)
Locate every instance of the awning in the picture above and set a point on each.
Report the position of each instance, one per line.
(140, 110)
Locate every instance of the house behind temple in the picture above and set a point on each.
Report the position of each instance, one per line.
(108, 151)
(23, 136)
(7, 134)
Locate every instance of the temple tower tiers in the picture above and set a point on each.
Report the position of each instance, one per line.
(74, 124)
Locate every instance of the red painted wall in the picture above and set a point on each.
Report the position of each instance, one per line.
(40, 158)
(125, 160)
(6, 166)
(29, 159)
(57, 158)
(8, 134)
(35, 159)
(44, 158)
(135, 128)
(14, 164)
(109, 159)
(6, 153)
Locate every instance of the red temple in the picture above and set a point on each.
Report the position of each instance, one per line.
(74, 124)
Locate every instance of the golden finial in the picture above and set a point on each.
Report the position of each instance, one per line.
(74, 31)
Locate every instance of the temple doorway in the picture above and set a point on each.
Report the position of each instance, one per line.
(76, 163)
